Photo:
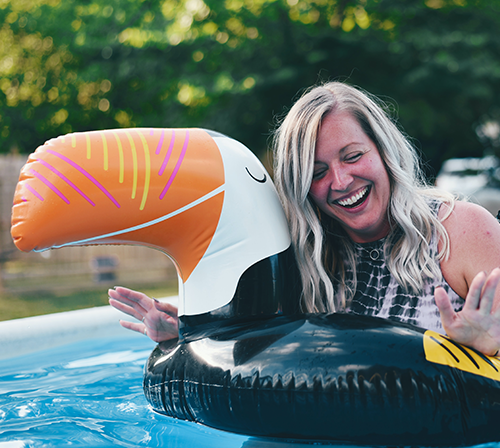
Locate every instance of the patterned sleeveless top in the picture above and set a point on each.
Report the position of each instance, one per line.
(379, 294)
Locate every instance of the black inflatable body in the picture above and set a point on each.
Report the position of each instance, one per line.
(338, 377)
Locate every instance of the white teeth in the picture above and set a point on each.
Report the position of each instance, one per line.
(353, 199)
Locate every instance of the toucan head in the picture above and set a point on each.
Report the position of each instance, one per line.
(202, 198)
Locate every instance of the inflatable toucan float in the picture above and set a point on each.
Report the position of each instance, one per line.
(247, 360)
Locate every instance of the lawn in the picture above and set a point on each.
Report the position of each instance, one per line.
(15, 305)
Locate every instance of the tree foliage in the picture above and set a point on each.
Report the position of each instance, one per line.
(235, 65)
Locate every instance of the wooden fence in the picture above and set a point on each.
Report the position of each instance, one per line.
(72, 267)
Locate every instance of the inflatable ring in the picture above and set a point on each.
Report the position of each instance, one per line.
(246, 360)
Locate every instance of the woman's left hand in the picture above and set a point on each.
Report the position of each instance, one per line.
(478, 324)
(157, 320)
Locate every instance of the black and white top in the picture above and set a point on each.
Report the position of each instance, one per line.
(379, 294)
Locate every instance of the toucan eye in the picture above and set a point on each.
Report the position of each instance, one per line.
(261, 181)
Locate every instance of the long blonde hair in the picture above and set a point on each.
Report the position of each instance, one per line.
(317, 239)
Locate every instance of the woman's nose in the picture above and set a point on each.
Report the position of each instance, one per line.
(340, 179)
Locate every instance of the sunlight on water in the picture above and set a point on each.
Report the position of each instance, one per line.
(90, 394)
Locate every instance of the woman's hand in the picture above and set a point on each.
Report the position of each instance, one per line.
(478, 324)
(158, 320)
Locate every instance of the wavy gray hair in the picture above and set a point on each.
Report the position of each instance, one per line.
(316, 238)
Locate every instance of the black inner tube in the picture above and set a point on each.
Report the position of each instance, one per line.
(337, 377)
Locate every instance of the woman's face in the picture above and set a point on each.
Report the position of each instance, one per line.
(350, 181)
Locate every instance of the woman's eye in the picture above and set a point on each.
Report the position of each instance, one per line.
(353, 157)
(318, 174)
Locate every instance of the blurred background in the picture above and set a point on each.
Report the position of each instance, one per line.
(234, 66)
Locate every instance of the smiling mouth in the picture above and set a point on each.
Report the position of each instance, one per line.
(355, 200)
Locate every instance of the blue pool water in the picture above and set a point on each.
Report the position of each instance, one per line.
(89, 393)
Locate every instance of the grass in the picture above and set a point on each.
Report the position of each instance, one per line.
(34, 287)
(19, 305)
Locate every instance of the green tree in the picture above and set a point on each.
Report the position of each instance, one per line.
(235, 65)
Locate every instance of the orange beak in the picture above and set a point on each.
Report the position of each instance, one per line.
(127, 186)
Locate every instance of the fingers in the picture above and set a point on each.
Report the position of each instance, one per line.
(158, 322)
(166, 307)
(125, 308)
(482, 291)
(476, 325)
(131, 301)
(489, 291)
(474, 295)
(129, 294)
(446, 310)
(134, 326)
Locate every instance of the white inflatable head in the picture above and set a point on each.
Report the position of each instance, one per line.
(202, 198)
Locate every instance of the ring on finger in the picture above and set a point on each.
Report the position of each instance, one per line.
(143, 319)
(145, 332)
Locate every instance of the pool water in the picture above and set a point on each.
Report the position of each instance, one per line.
(89, 393)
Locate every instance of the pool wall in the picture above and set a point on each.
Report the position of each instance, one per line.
(23, 336)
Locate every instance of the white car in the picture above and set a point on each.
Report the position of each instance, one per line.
(477, 179)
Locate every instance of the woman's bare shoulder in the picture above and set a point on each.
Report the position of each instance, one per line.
(468, 219)
(474, 241)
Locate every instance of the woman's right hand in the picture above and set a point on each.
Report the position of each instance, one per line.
(158, 320)
(477, 325)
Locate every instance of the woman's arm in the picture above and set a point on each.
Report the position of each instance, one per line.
(158, 320)
(472, 271)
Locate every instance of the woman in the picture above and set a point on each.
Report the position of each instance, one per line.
(369, 236)
(352, 191)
